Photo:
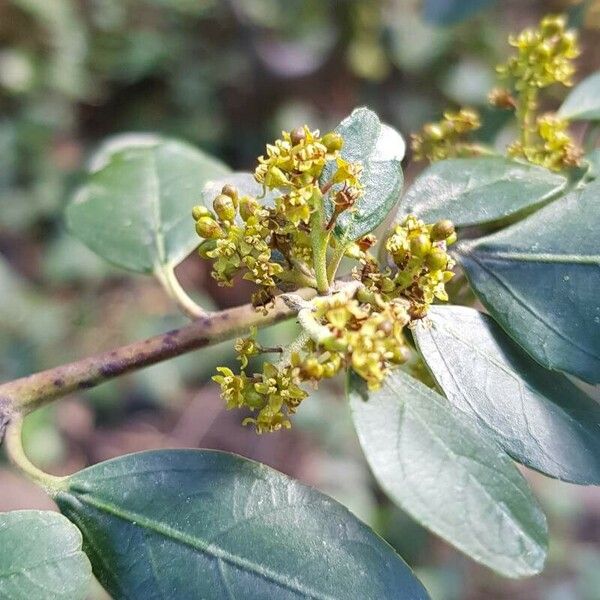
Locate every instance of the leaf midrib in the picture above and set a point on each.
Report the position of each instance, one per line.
(521, 301)
(204, 547)
(502, 507)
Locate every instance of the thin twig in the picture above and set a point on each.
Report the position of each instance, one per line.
(28, 393)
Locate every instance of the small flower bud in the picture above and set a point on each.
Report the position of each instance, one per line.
(420, 245)
(366, 242)
(224, 207)
(312, 369)
(401, 354)
(231, 191)
(433, 131)
(200, 211)
(248, 206)
(437, 259)
(332, 141)
(442, 230)
(208, 228)
(297, 135)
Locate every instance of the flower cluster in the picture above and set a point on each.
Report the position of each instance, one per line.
(544, 57)
(422, 265)
(361, 325)
(271, 244)
(237, 244)
(447, 138)
(554, 148)
(368, 337)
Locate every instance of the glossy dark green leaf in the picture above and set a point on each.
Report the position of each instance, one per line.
(478, 191)
(443, 469)
(380, 149)
(41, 557)
(583, 102)
(186, 524)
(134, 208)
(540, 279)
(449, 12)
(538, 416)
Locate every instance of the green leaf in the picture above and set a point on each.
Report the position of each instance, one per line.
(442, 468)
(205, 524)
(246, 186)
(540, 279)
(380, 149)
(583, 102)
(41, 557)
(449, 12)
(539, 417)
(478, 191)
(134, 209)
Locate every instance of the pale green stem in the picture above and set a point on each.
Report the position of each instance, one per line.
(13, 444)
(167, 278)
(319, 240)
(295, 346)
(336, 259)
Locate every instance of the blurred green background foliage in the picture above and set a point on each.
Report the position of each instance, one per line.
(227, 76)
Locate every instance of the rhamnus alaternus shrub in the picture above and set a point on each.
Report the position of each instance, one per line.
(504, 385)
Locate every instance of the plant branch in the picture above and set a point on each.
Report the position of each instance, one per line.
(28, 393)
(167, 278)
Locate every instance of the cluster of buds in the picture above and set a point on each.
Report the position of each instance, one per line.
(360, 327)
(271, 244)
(363, 332)
(544, 57)
(447, 138)
(367, 336)
(554, 150)
(237, 244)
(423, 265)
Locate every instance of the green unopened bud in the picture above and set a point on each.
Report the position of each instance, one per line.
(400, 355)
(312, 369)
(248, 206)
(420, 245)
(451, 239)
(333, 141)
(442, 230)
(200, 211)
(231, 191)
(224, 207)
(297, 135)
(437, 259)
(433, 132)
(208, 228)
(205, 247)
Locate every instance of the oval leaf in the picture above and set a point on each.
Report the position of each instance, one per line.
(449, 12)
(134, 209)
(41, 557)
(539, 417)
(478, 191)
(583, 102)
(205, 524)
(439, 466)
(540, 279)
(380, 149)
